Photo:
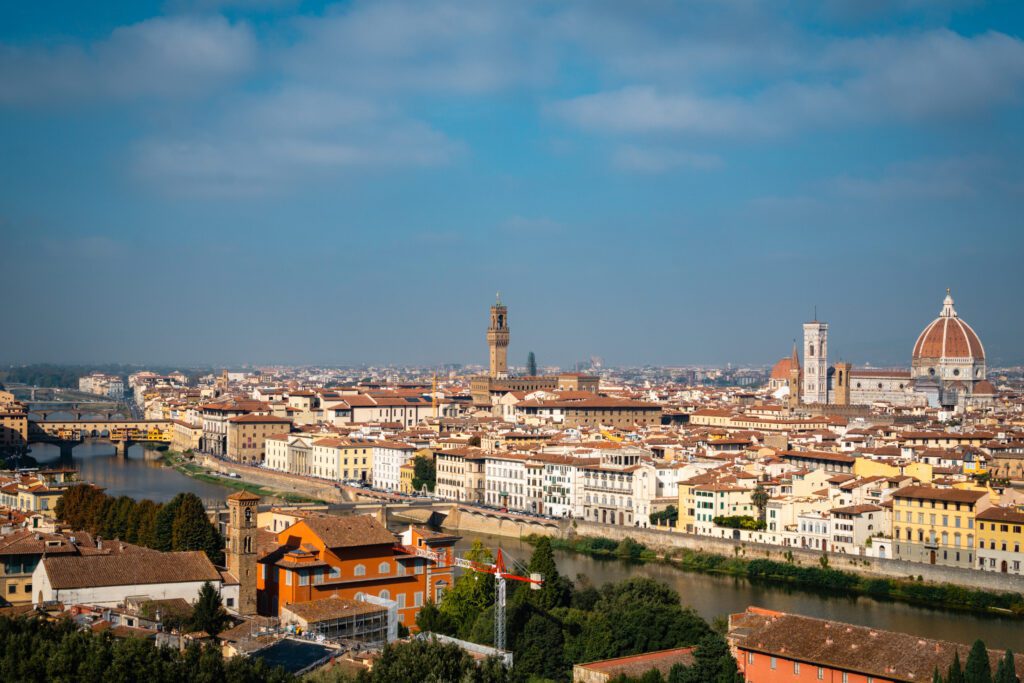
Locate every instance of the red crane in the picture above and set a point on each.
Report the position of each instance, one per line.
(499, 571)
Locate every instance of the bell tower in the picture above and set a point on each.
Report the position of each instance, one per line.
(240, 554)
(815, 362)
(497, 340)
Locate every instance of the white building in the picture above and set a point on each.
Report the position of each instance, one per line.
(288, 453)
(388, 458)
(106, 580)
(505, 481)
(815, 389)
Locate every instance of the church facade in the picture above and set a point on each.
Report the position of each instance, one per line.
(947, 370)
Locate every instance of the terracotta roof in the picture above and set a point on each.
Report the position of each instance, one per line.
(350, 531)
(131, 569)
(331, 608)
(1002, 514)
(932, 493)
(243, 495)
(637, 665)
(948, 337)
(885, 655)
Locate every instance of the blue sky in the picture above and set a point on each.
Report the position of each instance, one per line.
(651, 182)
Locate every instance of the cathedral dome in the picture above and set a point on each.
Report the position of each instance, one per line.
(948, 336)
(782, 368)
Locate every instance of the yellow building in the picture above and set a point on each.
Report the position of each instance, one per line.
(406, 473)
(866, 467)
(1000, 539)
(937, 526)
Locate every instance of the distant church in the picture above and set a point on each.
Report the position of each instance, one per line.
(947, 370)
(498, 382)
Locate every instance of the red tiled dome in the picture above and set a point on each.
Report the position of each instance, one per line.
(782, 368)
(948, 337)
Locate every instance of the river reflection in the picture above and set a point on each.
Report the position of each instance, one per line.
(141, 475)
(713, 596)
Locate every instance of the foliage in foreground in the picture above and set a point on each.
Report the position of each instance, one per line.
(37, 650)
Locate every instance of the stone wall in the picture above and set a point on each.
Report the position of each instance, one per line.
(663, 541)
(278, 481)
(487, 522)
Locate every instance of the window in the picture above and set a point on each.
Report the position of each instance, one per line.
(360, 570)
(335, 572)
(750, 658)
(230, 602)
(11, 588)
(821, 673)
(385, 594)
(796, 668)
(384, 568)
(417, 599)
(303, 578)
(773, 662)
(263, 572)
(846, 677)
(287, 578)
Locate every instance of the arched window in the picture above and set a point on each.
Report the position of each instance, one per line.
(811, 349)
(360, 570)
(384, 568)
(385, 594)
(360, 595)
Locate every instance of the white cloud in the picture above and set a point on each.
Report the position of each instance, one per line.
(395, 46)
(661, 159)
(935, 76)
(164, 56)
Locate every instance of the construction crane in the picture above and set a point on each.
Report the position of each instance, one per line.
(498, 569)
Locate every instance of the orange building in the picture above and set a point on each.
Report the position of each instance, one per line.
(772, 647)
(351, 557)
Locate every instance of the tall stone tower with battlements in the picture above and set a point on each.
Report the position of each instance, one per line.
(497, 340)
(815, 389)
(240, 553)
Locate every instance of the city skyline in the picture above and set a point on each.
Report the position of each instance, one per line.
(218, 182)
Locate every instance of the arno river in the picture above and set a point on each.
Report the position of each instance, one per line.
(142, 476)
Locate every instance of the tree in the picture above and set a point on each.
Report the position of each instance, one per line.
(712, 663)
(471, 593)
(421, 660)
(163, 531)
(669, 515)
(424, 473)
(208, 614)
(531, 364)
(432, 620)
(978, 669)
(759, 498)
(540, 648)
(955, 672)
(1006, 672)
(556, 591)
(192, 530)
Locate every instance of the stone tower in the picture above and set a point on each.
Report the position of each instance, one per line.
(497, 340)
(240, 554)
(841, 384)
(793, 381)
(815, 362)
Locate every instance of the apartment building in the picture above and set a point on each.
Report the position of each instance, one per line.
(460, 474)
(1000, 540)
(505, 481)
(387, 458)
(246, 436)
(935, 525)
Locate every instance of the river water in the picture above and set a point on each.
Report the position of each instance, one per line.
(714, 596)
(143, 475)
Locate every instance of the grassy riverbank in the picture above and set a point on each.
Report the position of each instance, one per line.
(179, 462)
(818, 578)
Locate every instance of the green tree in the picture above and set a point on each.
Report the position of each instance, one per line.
(531, 364)
(712, 663)
(540, 648)
(955, 673)
(192, 530)
(759, 498)
(669, 515)
(424, 473)
(164, 524)
(471, 593)
(978, 669)
(556, 591)
(208, 614)
(1006, 672)
(430, 619)
(418, 661)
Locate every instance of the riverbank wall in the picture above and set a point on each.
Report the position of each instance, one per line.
(498, 524)
(664, 542)
(277, 481)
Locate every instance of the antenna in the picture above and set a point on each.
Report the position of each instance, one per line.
(815, 312)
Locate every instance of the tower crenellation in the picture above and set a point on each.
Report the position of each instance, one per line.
(497, 340)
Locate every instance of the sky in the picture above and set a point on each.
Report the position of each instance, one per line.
(275, 181)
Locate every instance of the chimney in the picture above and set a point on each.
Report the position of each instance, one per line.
(99, 543)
